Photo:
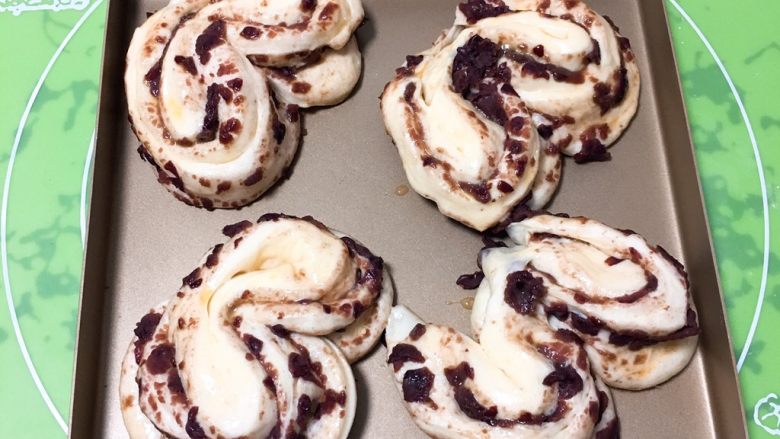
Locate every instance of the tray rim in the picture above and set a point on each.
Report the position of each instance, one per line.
(700, 189)
(701, 205)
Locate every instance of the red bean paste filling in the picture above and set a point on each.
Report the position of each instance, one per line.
(480, 191)
(474, 63)
(170, 177)
(331, 401)
(409, 94)
(303, 59)
(292, 112)
(187, 63)
(271, 216)
(636, 340)
(596, 410)
(232, 230)
(488, 243)
(235, 84)
(254, 344)
(305, 411)
(610, 431)
(564, 377)
(586, 324)
(633, 339)
(540, 70)
(250, 33)
(592, 150)
(412, 61)
(308, 5)
(404, 353)
(144, 153)
(152, 77)
(253, 178)
(417, 332)
(277, 127)
(603, 404)
(227, 129)
(475, 10)
(162, 358)
(651, 284)
(608, 97)
(677, 265)
(176, 388)
(193, 280)
(301, 366)
(517, 214)
(144, 331)
(523, 291)
(280, 331)
(559, 310)
(471, 281)
(213, 258)
(193, 428)
(568, 381)
(417, 385)
(154, 74)
(370, 277)
(309, 409)
(214, 93)
(213, 36)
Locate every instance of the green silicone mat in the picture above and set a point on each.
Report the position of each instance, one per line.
(729, 59)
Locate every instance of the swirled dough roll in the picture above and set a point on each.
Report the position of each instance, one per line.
(257, 342)
(626, 299)
(214, 88)
(522, 379)
(570, 306)
(481, 118)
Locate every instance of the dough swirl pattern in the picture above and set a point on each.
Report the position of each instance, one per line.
(214, 89)
(257, 342)
(568, 307)
(480, 120)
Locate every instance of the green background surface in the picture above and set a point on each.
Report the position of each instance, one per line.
(729, 60)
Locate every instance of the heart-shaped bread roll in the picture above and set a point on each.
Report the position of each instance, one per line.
(523, 379)
(214, 88)
(258, 341)
(481, 118)
(626, 299)
(568, 307)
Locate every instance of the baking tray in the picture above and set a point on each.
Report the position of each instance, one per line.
(142, 241)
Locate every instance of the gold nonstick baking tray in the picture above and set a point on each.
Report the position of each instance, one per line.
(142, 241)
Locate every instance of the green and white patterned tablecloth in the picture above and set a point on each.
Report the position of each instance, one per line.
(729, 59)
